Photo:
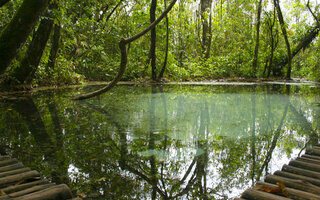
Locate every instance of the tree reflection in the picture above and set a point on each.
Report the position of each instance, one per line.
(48, 150)
(161, 142)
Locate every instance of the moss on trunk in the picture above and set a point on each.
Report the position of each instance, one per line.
(16, 32)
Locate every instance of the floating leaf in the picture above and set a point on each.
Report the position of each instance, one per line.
(266, 188)
(2, 193)
(82, 195)
(101, 179)
(283, 188)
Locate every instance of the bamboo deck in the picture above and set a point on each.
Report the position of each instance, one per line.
(301, 180)
(20, 183)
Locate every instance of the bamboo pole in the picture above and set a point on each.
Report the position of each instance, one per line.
(4, 158)
(298, 177)
(311, 156)
(293, 193)
(8, 162)
(314, 152)
(12, 172)
(11, 167)
(295, 184)
(58, 192)
(309, 160)
(18, 177)
(300, 171)
(305, 165)
(260, 195)
(17, 188)
(27, 191)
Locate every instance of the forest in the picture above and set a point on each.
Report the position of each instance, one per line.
(53, 42)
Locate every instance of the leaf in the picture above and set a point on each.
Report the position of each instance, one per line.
(266, 188)
(82, 195)
(283, 188)
(2, 193)
(101, 179)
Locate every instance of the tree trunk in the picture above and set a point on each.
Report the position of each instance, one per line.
(304, 42)
(55, 43)
(153, 40)
(14, 35)
(256, 49)
(205, 5)
(167, 45)
(284, 32)
(124, 59)
(30, 62)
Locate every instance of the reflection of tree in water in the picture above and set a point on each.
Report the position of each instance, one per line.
(157, 173)
(44, 147)
(104, 147)
(162, 176)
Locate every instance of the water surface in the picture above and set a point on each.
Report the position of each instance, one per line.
(161, 142)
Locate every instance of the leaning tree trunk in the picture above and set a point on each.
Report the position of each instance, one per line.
(153, 40)
(284, 32)
(124, 56)
(30, 62)
(14, 35)
(304, 43)
(256, 49)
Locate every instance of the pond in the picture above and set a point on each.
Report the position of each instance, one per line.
(161, 142)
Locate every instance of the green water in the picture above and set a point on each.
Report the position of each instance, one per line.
(179, 142)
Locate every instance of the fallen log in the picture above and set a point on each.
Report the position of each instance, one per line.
(295, 184)
(293, 193)
(301, 171)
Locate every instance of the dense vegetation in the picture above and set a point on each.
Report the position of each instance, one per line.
(67, 42)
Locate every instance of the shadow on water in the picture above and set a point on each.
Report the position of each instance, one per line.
(167, 142)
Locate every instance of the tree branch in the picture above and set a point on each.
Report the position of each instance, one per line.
(124, 56)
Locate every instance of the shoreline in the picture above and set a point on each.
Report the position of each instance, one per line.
(219, 82)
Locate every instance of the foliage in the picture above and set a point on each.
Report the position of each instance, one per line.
(91, 32)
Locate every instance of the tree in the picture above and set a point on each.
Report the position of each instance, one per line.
(31, 60)
(55, 43)
(153, 8)
(285, 35)
(256, 49)
(167, 45)
(16, 32)
(124, 56)
(205, 6)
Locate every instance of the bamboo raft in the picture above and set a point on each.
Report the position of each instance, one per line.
(300, 180)
(20, 183)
